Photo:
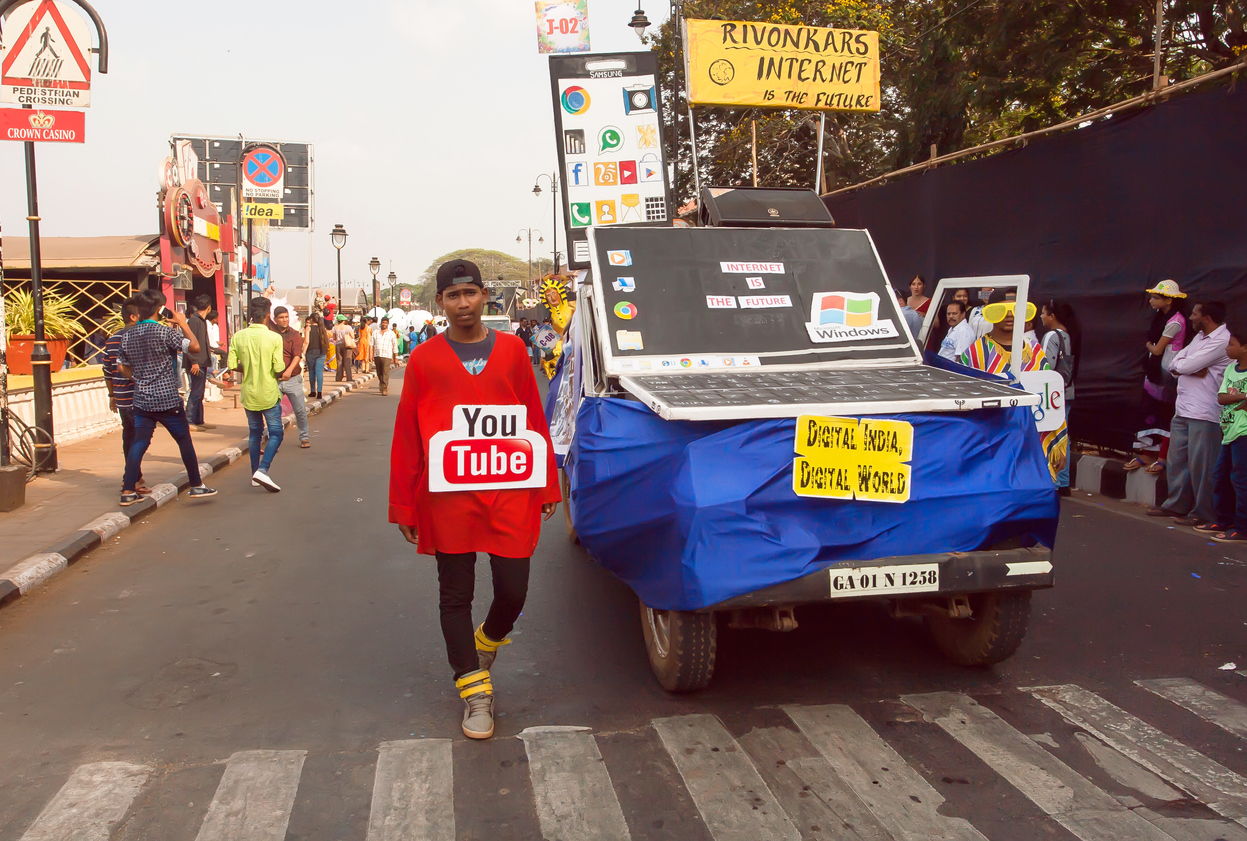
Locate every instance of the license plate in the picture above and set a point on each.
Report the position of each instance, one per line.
(882, 581)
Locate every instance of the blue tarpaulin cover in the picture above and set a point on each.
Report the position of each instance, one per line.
(690, 514)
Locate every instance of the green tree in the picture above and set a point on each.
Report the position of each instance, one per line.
(956, 73)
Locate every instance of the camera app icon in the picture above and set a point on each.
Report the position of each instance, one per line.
(639, 99)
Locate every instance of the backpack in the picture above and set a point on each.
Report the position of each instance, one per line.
(1062, 361)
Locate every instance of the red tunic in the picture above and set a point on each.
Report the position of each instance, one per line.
(503, 522)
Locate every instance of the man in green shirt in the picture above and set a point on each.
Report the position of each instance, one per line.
(257, 353)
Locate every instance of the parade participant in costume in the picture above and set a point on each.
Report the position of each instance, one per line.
(472, 470)
(991, 353)
(554, 294)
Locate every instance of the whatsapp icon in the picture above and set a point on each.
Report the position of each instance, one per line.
(610, 139)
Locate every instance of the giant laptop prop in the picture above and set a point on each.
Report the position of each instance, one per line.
(728, 323)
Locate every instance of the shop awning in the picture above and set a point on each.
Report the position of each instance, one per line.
(138, 251)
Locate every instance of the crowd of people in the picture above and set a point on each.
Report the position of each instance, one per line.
(158, 365)
(1191, 409)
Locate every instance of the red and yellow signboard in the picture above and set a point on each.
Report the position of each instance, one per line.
(42, 126)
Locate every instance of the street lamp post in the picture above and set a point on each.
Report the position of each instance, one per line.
(374, 266)
(520, 238)
(554, 212)
(338, 237)
(393, 279)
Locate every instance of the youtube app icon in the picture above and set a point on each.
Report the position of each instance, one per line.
(627, 172)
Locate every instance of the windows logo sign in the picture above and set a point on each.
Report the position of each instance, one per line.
(846, 317)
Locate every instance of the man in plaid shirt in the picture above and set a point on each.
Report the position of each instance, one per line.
(148, 352)
(121, 389)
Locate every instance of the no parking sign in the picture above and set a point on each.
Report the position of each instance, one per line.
(263, 173)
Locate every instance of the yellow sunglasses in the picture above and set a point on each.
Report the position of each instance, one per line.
(999, 311)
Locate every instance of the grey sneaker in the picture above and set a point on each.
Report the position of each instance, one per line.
(201, 492)
(477, 692)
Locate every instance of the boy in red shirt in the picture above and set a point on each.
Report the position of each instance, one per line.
(472, 470)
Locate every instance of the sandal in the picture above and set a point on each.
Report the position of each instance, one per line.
(1212, 527)
(1155, 467)
(305, 444)
(1134, 464)
(1231, 536)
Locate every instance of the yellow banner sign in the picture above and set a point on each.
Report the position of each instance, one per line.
(848, 458)
(771, 65)
(263, 211)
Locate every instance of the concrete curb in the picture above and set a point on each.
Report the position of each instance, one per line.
(60, 554)
(1108, 477)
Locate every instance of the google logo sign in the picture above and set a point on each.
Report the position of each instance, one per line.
(626, 310)
(575, 100)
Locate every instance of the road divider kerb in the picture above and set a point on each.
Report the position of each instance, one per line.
(28, 574)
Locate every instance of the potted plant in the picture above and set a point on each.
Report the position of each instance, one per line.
(60, 326)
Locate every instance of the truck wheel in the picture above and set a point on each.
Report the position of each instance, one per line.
(991, 634)
(681, 647)
(565, 486)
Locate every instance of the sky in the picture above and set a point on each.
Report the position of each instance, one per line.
(430, 121)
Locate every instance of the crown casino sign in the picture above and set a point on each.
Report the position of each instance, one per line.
(56, 126)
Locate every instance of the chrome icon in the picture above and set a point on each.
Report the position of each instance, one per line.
(575, 100)
(626, 310)
(686, 363)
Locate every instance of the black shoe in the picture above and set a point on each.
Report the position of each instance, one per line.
(1065, 491)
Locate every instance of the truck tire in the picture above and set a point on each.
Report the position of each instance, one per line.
(681, 647)
(565, 486)
(991, 634)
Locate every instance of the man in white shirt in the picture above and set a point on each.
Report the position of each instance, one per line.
(1195, 434)
(384, 351)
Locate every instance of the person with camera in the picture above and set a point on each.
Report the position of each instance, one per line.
(148, 354)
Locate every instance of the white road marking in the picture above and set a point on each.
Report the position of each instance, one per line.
(413, 793)
(573, 790)
(897, 794)
(1126, 771)
(734, 801)
(1208, 704)
(255, 797)
(92, 801)
(1069, 798)
(1222, 790)
(1194, 829)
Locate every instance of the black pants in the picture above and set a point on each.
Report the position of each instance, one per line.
(456, 578)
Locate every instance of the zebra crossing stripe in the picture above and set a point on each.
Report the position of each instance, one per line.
(255, 796)
(413, 792)
(93, 800)
(1208, 704)
(573, 790)
(899, 797)
(1222, 790)
(733, 800)
(1069, 798)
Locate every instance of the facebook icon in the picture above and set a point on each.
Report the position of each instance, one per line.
(578, 174)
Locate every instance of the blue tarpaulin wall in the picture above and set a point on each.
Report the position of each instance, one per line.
(691, 514)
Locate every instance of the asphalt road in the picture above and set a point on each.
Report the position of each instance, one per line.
(263, 666)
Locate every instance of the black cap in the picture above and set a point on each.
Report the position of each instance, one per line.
(458, 271)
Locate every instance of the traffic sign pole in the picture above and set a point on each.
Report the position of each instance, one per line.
(40, 359)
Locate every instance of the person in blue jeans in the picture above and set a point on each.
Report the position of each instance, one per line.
(148, 354)
(1230, 474)
(315, 348)
(257, 353)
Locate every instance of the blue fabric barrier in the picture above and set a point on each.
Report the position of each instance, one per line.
(691, 514)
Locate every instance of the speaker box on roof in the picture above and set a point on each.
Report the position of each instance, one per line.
(763, 207)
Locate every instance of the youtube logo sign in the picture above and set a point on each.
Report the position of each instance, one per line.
(487, 448)
(627, 172)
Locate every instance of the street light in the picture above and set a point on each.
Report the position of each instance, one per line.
(338, 237)
(540, 239)
(393, 279)
(639, 24)
(554, 211)
(374, 266)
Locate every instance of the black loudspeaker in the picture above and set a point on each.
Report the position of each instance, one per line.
(763, 207)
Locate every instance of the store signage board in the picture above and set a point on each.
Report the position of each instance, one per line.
(608, 127)
(769, 65)
(263, 173)
(562, 26)
(43, 56)
(23, 124)
(265, 211)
